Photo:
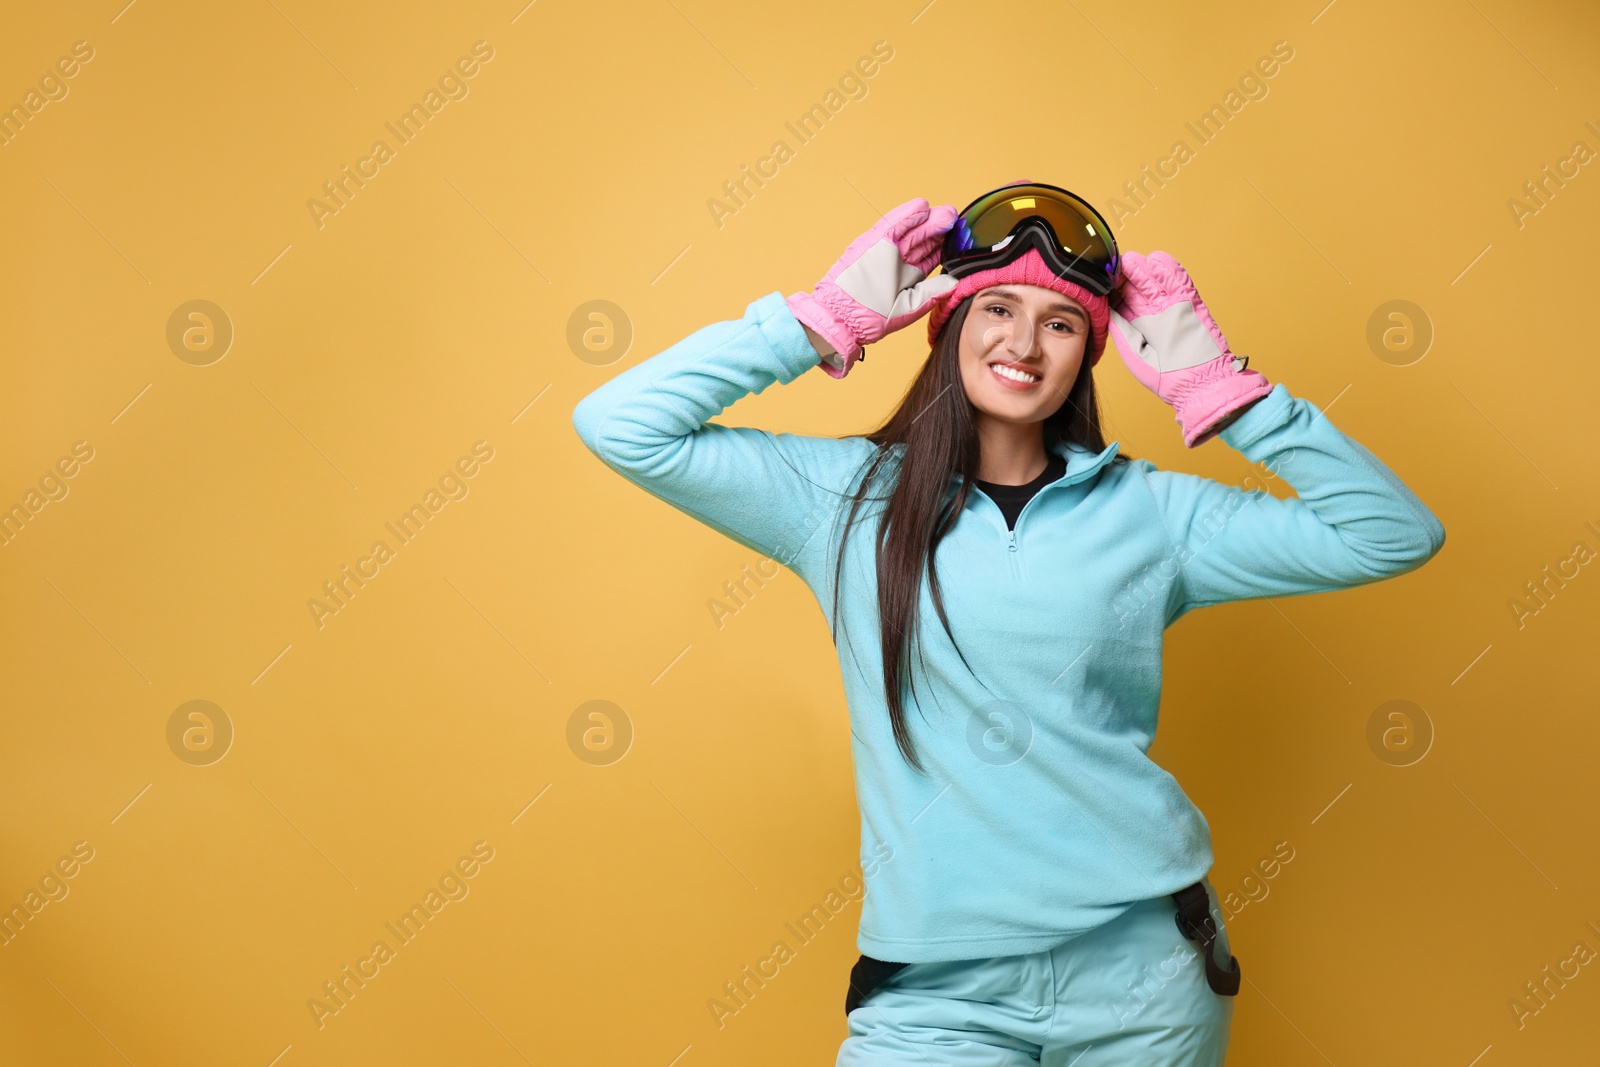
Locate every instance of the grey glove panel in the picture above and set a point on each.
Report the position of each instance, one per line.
(877, 279)
(1171, 340)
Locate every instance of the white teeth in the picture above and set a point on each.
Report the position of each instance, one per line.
(1013, 373)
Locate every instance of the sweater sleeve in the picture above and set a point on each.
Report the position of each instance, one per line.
(1353, 521)
(770, 492)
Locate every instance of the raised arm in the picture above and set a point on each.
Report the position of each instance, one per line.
(651, 424)
(1353, 522)
(770, 492)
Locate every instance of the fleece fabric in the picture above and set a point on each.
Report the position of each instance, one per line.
(1041, 816)
(1013, 498)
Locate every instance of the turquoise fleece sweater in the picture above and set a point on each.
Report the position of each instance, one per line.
(1042, 816)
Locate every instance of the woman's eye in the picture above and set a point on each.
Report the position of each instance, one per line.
(1000, 309)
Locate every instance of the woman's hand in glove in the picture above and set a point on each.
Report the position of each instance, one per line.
(880, 284)
(1168, 339)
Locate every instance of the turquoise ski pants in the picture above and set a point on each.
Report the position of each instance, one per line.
(1132, 991)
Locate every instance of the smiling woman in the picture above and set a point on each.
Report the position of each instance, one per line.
(1021, 348)
(1042, 859)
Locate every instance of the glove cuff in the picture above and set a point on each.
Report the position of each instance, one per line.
(814, 313)
(1217, 391)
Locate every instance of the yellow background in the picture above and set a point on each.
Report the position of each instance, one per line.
(432, 310)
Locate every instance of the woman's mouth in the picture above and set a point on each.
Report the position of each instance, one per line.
(1014, 377)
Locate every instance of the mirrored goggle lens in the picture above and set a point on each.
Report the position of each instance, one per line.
(988, 222)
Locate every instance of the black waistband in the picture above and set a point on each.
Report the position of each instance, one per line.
(865, 977)
(1195, 923)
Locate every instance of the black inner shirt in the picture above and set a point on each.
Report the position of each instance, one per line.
(1013, 498)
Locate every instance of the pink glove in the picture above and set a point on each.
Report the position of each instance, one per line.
(880, 284)
(1168, 339)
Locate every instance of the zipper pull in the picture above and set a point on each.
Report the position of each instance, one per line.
(1013, 545)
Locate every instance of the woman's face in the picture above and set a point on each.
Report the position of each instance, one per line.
(1021, 348)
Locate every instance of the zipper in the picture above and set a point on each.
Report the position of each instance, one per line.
(1012, 552)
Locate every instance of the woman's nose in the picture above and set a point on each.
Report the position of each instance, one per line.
(1015, 335)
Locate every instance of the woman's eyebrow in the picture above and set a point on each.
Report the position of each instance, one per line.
(1058, 306)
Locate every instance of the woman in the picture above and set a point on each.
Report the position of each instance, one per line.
(1028, 867)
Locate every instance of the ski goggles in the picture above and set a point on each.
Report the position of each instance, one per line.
(1071, 237)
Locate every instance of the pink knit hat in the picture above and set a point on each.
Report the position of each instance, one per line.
(1027, 269)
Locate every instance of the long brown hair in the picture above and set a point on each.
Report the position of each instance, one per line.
(937, 426)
